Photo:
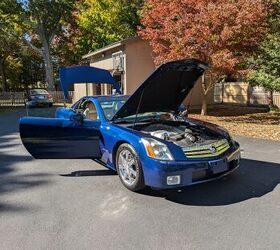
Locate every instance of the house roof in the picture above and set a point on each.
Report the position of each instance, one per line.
(111, 46)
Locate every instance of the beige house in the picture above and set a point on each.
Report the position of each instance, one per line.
(130, 62)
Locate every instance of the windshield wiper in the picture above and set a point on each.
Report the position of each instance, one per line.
(122, 120)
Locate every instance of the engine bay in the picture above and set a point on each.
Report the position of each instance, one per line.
(182, 134)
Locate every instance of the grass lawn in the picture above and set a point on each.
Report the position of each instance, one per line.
(246, 121)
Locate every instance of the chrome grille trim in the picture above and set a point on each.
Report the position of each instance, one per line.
(205, 151)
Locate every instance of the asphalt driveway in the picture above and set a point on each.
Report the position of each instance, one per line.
(78, 204)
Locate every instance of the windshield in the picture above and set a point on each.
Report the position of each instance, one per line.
(38, 91)
(111, 106)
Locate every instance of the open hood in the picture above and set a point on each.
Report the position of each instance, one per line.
(165, 89)
(84, 74)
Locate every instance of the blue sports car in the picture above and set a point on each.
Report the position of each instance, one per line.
(144, 137)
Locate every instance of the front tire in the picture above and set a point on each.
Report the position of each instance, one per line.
(129, 168)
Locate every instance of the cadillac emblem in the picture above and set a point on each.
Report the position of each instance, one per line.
(212, 149)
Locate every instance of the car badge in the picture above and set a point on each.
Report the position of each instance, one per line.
(212, 149)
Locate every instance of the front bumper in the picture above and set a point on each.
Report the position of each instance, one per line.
(191, 171)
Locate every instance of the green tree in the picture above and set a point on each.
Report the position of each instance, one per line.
(266, 62)
(105, 21)
(14, 70)
(94, 24)
(10, 33)
(32, 72)
(43, 21)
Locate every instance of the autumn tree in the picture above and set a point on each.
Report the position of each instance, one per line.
(68, 46)
(220, 32)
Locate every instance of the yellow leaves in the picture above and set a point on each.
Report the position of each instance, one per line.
(106, 11)
(105, 21)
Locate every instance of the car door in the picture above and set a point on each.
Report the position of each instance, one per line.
(61, 138)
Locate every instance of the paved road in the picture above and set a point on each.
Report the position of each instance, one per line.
(77, 204)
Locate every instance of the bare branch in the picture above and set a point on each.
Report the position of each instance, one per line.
(210, 86)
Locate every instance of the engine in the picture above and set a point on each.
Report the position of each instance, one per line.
(181, 134)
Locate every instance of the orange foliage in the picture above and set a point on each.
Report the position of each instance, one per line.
(220, 32)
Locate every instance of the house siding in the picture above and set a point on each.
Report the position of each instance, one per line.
(138, 65)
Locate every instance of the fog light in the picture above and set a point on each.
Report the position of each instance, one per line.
(173, 180)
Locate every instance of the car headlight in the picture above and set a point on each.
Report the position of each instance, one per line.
(156, 149)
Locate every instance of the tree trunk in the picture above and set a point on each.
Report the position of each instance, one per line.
(204, 104)
(3, 74)
(48, 64)
(45, 53)
(204, 96)
(271, 104)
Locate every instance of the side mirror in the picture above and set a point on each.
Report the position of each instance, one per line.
(77, 118)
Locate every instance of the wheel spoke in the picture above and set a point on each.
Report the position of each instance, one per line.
(129, 177)
(133, 172)
(126, 154)
(131, 162)
(120, 160)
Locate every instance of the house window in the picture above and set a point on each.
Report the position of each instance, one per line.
(118, 76)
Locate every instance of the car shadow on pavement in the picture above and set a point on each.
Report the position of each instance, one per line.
(11, 178)
(98, 172)
(11, 182)
(252, 180)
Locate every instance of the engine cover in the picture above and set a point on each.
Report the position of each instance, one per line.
(182, 135)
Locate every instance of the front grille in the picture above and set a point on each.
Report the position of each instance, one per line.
(205, 151)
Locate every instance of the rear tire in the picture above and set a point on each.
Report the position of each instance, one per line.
(129, 168)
